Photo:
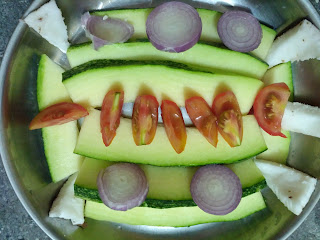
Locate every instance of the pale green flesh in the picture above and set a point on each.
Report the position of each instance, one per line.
(204, 57)
(166, 183)
(280, 73)
(88, 88)
(209, 19)
(59, 141)
(50, 89)
(278, 147)
(173, 217)
(198, 150)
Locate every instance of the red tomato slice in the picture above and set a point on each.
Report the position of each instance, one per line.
(174, 125)
(110, 115)
(227, 110)
(58, 114)
(203, 118)
(269, 106)
(144, 119)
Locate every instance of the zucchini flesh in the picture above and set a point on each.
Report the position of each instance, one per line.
(160, 153)
(87, 84)
(202, 56)
(173, 217)
(59, 141)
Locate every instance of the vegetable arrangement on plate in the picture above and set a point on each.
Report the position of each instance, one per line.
(215, 95)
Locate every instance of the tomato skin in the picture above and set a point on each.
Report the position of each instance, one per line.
(144, 119)
(269, 106)
(230, 125)
(110, 115)
(203, 118)
(174, 125)
(58, 114)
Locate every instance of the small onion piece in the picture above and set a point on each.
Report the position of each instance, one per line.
(240, 31)
(122, 186)
(104, 30)
(216, 189)
(174, 27)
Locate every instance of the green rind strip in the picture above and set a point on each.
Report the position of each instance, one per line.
(202, 56)
(172, 217)
(104, 63)
(93, 195)
(160, 153)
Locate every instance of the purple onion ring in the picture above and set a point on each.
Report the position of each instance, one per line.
(174, 27)
(240, 31)
(216, 189)
(122, 186)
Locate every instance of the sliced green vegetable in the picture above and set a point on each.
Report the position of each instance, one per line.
(87, 84)
(202, 56)
(172, 217)
(59, 141)
(198, 150)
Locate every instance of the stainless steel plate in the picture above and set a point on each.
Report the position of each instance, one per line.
(22, 150)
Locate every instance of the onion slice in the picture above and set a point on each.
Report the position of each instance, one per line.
(240, 31)
(122, 186)
(104, 30)
(174, 27)
(216, 189)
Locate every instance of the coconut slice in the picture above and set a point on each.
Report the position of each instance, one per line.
(66, 205)
(292, 187)
(301, 118)
(48, 22)
(298, 44)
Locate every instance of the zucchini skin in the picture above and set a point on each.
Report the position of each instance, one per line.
(102, 63)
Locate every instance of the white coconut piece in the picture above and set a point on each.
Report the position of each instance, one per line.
(292, 187)
(66, 205)
(48, 22)
(297, 44)
(301, 118)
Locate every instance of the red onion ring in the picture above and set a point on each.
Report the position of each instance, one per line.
(104, 30)
(240, 31)
(174, 27)
(122, 186)
(216, 189)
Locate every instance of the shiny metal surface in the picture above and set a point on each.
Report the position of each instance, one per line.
(22, 150)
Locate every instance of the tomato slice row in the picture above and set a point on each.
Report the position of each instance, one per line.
(224, 116)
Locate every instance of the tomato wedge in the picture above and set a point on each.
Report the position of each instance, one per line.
(110, 115)
(144, 119)
(203, 118)
(174, 125)
(227, 110)
(269, 106)
(58, 114)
